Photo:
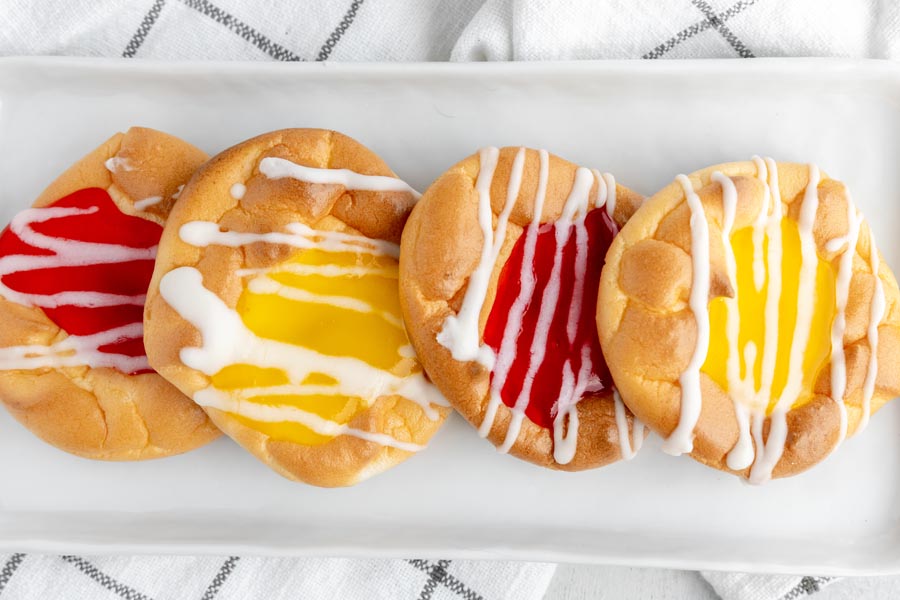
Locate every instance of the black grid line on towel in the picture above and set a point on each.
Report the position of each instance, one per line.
(86, 567)
(339, 31)
(438, 572)
(807, 587)
(146, 25)
(232, 23)
(689, 32)
(438, 575)
(219, 580)
(9, 569)
(711, 16)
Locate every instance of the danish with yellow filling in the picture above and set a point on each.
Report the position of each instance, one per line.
(747, 317)
(274, 305)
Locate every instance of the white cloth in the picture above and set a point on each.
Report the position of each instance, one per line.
(744, 586)
(381, 30)
(38, 577)
(580, 29)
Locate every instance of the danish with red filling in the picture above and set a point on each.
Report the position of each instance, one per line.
(499, 267)
(74, 271)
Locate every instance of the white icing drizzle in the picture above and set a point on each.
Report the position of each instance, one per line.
(226, 340)
(279, 168)
(841, 295)
(213, 398)
(77, 351)
(750, 419)
(263, 284)
(459, 333)
(581, 266)
(565, 423)
(639, 431)
(177, 193)
(628, 448)
(574, 209)
(66, 253)
(606, 191)
(876, 313)
(741, 456)
(769, 452)
(759, 225)
(117, 163)
(507, 352)
(238, 190)
(602, 189)
(72, 350)
(611, 193)
(681, 440)
(566, 419)
(147, 202)
(298, 235)
(772, 315)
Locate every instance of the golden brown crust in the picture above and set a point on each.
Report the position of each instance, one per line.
(648, 331)
(101, 413)
(269, 205)
(440, 250)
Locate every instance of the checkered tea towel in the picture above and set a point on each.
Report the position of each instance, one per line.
(40, 577)
(387, 30)
(391, 30)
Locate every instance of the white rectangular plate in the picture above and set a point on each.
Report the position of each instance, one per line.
(642, 121)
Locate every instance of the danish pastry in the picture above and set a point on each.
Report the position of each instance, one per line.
(499, 267)
(747, 317)
(74, 271)
(274, 305)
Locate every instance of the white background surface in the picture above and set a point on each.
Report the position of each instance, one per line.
(620, 117)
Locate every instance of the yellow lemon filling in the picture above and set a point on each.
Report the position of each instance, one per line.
(336, 304)
(750, 305)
